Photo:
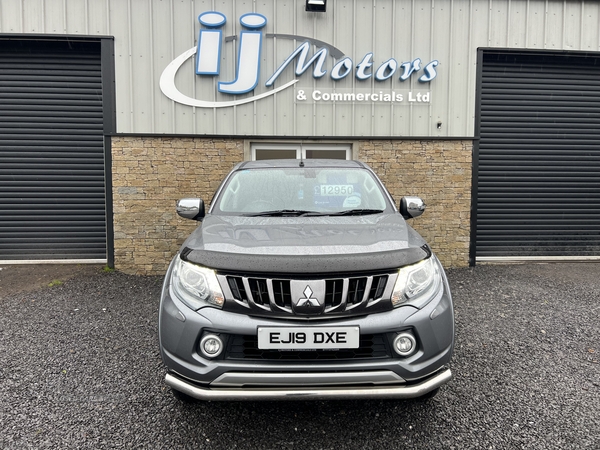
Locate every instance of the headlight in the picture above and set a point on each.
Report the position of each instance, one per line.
(417, 284)
(196, 286)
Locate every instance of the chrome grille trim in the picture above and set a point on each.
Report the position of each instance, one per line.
(358, 293)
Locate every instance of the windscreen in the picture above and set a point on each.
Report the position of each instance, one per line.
(318, 190)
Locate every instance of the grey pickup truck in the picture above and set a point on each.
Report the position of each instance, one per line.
(304, 281)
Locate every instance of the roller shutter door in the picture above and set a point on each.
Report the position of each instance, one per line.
(538, 163)
(52, 187)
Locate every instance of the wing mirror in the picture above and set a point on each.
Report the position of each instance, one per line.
(190, 208)
(411, 207)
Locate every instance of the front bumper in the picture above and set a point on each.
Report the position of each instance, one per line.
(312, 393)
(181, 329)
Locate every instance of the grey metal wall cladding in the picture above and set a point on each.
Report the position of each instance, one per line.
(52, 195)
(538, 182)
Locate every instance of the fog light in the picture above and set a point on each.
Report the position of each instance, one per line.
(211, 346)
(405, 344)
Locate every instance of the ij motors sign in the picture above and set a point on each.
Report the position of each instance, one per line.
(326, 61)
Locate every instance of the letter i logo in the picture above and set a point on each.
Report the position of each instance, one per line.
(208, 55)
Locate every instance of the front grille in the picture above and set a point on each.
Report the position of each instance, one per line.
(274, 295)
(371, 346)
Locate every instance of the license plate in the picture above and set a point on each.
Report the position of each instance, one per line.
(308, 338)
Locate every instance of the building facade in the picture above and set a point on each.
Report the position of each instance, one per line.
(114, 109)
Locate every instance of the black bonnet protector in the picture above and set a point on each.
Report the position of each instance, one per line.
(306, 264)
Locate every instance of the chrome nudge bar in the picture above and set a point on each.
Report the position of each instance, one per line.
(400, 391)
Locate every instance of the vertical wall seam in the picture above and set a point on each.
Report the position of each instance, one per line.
(354, 55)
(130, 51)
(194, 34)
(564, 24)
(295, 113)
(152, 77)
(431, 53)
(43, 30)
(546, 24)
(373, 25)
(108, 30)
(489, 44)
(581, 21)
(263, 43)
(412, 54)
(393, 79)
(314, 82)
(450, 53)
(214, 81)
(275, 102)
(527, 24)
(334, 109)
(470, 92)
(508, 12)
(172, 56)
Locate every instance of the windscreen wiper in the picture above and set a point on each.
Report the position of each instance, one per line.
(356, 212)
(285, 212)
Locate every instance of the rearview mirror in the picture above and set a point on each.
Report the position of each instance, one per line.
(411, 207)
(190, 208)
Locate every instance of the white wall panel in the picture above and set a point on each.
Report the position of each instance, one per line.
(162, 13)
(442, 41)
(54, 17)
(75, 16)
(323, 30)
(34, 22)
(517, 24)
(460, 75)
(183, 31)
(142, 40)
(149, 34)
(536, 25)
(572, 27)
(555, 25)
(590, 26)
(278, 107)
(499, 24)
(119, 23)
(98, 17)
(343, 39)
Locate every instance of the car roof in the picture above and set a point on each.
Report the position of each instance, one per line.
(291, 163)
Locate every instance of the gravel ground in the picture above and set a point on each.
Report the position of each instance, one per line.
(81, 369)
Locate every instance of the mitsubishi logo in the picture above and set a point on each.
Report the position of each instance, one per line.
(308, 297)
(308, 301)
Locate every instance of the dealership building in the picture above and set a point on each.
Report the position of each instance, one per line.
(111, 110)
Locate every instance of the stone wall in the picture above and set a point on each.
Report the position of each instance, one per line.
(151, 173)
(440, 173)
